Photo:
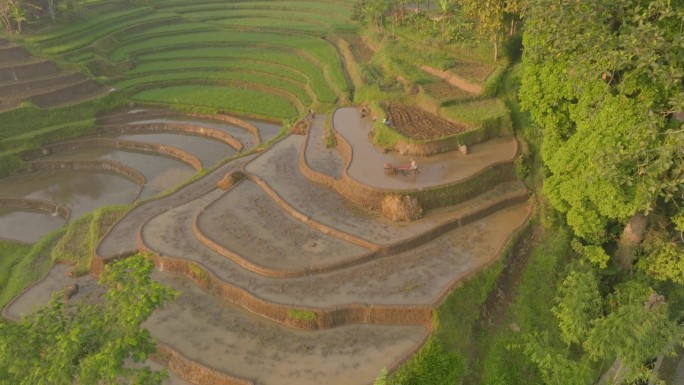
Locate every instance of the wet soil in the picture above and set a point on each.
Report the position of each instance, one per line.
(248, 222)
(228, 339)
(13, 224)
(324, 160)
(82, 191)
(160, 172)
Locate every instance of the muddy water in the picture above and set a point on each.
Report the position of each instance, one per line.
(231, 340)
(267, 130)
(368, 161)
(161, 172)
(82, 191)
(14, 224)
(207, 150)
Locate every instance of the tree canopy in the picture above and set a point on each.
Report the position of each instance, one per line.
(87, 343)
(603, 81)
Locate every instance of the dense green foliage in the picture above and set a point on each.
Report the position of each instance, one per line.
(78, 244)
(24, 265)
(88, 342)
(606, 105)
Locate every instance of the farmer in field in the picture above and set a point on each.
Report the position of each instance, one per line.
(414, 166)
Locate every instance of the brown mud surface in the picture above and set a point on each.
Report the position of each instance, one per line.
(321, 159)
(226, 338)
(250, 224)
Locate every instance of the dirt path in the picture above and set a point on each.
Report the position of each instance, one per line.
(454, 80)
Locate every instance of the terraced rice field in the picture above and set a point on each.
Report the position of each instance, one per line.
(283, 279)
(255, 58)
(24, 77)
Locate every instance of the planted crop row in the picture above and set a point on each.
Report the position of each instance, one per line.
(256, 22)
(289, 59)
(254, 77)
(316, 47)
(86, 38)
(229, 98)
(162, 30)
(148, 67)
(331, 8)
(83, 27)
(314, 20)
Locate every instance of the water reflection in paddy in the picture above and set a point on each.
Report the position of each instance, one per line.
(82, 191)
(27, 226)
(208, 151)
(161, 172)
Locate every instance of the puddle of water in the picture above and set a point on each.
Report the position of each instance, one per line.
(161, 172)
(239, 133)
(80, 190)
(14, 224)
(207, 150)
(267, 130)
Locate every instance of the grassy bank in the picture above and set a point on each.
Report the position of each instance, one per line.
(21, 265)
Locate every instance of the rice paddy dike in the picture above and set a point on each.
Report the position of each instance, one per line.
(292, 273)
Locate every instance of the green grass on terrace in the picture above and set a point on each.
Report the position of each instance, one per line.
(229, 98)
(289, 25)
(337, 9)
(61, 31)
(98, 32)
(87, 36)
(474, 112)
(324, 93)
(318, 48)
(252, 77)
(154, 67)
(161, 30)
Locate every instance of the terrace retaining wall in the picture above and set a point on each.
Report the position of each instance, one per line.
(102, 164)
(325, 318)
(155, 148)
(429, 198)
(182, 127)
(191, 371)
(36, 204)
(26, 71)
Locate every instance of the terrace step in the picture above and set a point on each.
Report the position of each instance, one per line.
(377, 282)
(121, 239)
(132, 115)
(35, 86)
(6, 104)
(324, 207)
(10, 52)
(27, 70)
(69, 94)
(251, 350)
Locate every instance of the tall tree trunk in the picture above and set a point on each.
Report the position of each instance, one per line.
(51, 8)
(496, 47)
(614, 375)
(631, 238)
